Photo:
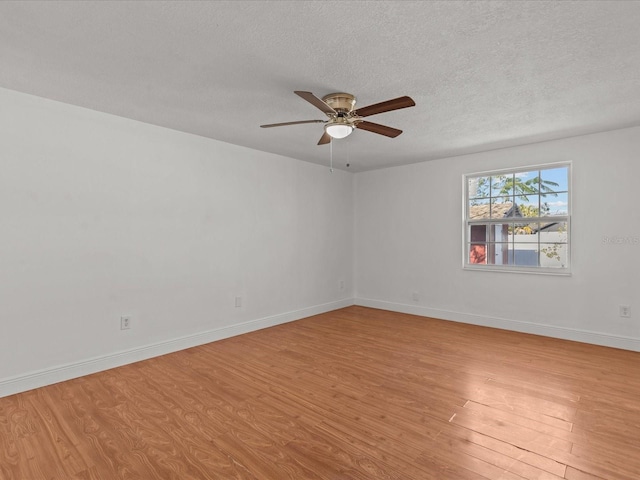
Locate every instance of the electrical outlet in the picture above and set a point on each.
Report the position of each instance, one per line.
(415, 297)
(125, 322)
(625, 311)
(341, 284)
(238, 302)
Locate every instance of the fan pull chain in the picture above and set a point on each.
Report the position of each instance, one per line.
(331, 157)
(348, 155)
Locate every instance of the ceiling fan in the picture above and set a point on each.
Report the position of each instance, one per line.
(344, 117)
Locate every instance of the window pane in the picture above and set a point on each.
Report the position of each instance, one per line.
(553, 232)
(478, 253)
(479, 209)
(500, 253)
(555, 180)
(478, 187)
(524, 233)
(526, 186)
(499, 232)
(502, 207)
(553, 255)
(524, 254)
(531, 207)
(478, 233)
(554, 204)
(501, 185)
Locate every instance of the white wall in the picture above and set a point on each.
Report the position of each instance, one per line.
(409, 237)
(103, 216)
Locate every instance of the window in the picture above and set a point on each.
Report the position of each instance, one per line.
(518, 220)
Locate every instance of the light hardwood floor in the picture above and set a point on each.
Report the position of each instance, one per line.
(352, 394)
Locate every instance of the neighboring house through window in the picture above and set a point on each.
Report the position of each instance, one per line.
(518, 219)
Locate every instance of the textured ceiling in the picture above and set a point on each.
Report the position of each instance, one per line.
(483, 74)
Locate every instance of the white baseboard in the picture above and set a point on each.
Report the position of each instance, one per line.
(585, 336)
(41, 378)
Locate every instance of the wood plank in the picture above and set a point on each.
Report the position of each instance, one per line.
(610, 458)
(539, 463)
(487, 462)
(520, 436)
(573, 474)
(544, 424)
(508, 401)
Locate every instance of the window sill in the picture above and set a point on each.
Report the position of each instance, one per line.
(557, 272)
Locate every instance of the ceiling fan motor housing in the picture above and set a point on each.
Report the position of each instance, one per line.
(340, 102)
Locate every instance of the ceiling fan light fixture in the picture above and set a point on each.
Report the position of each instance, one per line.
(344, 118)
(338, 129)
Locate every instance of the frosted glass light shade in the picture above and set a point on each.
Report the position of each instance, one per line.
(338, 130)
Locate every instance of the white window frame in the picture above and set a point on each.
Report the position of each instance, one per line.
(467, 222)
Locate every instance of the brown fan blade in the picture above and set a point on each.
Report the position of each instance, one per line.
(324, 139)
(380, 129)
(315, 101)
(395, 104)
(291, 123)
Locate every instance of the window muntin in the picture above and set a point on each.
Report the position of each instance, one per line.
(518, 219)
